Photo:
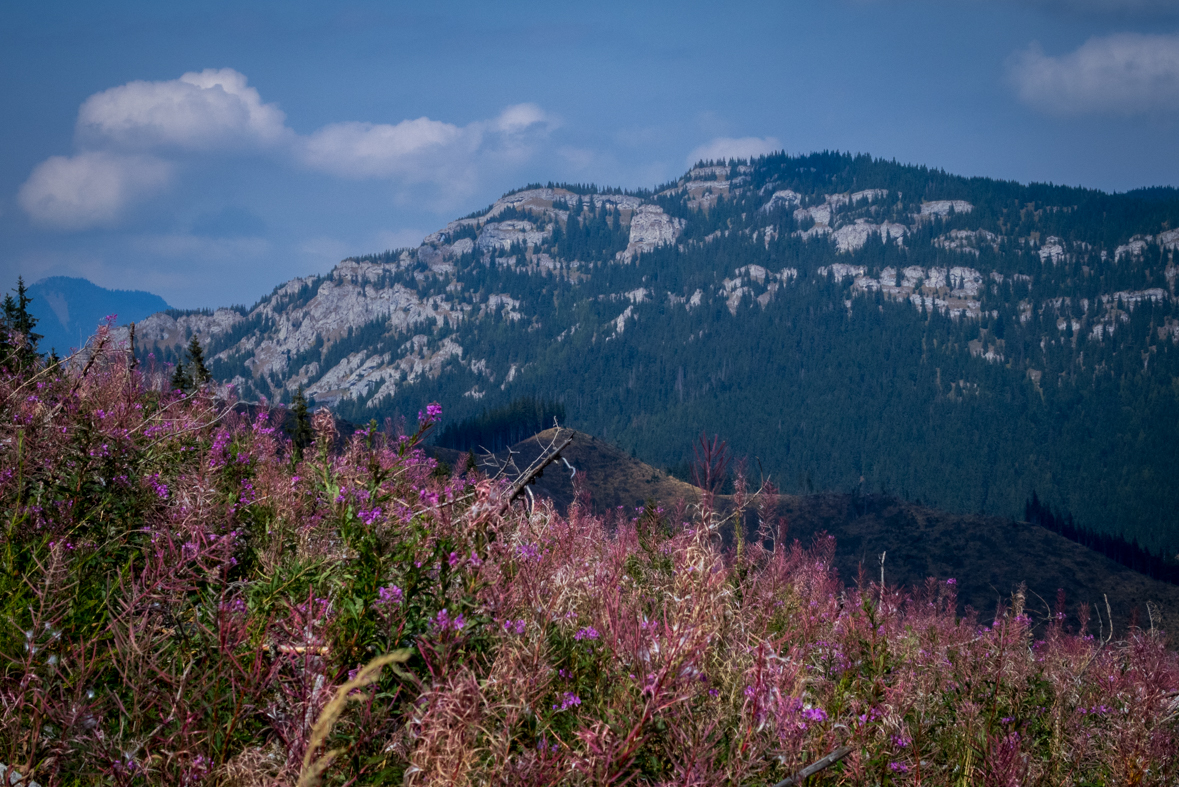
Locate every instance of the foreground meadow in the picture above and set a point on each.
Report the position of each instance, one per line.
(190, 597)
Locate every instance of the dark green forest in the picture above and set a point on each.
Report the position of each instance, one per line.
(825, 383)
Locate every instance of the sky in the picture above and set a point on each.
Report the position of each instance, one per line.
(208, 152)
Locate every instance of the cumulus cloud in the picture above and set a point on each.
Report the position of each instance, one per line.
(206, 110)
(421, 149)
(128, 133)
(1127, 73)
(92, 189)
(725, 148)
(377, 150)
(522, 117)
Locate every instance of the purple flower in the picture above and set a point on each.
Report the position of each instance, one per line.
(528, 552)
(589, 632)
(898, 767)
(951, 581)
(442, 621)
(389, 595)
(814, 714)
(568, 700)
(432, 414)
(159, 487)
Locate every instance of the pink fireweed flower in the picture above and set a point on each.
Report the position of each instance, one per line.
(442, 621)
(589, 632)
(568, 700)
(157, 486)
(528, 552)
(389, 595)
(432, 413)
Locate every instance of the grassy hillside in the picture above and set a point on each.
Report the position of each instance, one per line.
(184, 601)
(989, 557)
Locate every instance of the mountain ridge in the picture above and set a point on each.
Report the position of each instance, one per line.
(964, 340)
(68, 309)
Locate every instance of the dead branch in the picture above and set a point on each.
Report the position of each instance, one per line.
(815, 767)
(533, 471)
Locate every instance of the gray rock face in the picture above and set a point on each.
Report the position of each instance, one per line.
(650, 227)
(942, 208)
(502, 235)
(370, 327)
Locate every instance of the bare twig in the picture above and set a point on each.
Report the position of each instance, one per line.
(816, 766)
(547, 456)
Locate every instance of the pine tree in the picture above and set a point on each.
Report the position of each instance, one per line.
(180, 379)
(18, 319)
(196, 359)
(25, 322)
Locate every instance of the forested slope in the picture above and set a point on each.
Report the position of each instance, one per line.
(964, 341)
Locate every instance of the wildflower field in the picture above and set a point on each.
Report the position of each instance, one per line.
(190, 598)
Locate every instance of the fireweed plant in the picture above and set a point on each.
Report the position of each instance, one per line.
(184, 603)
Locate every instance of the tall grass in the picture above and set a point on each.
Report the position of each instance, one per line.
(183, 603)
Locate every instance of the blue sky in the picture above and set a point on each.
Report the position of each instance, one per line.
(207, 152)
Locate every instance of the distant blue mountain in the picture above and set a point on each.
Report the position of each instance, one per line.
(68, 310)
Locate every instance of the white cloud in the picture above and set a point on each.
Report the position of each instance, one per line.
(211, 109)
(125, 132)
(1127, 73)
(91, 189)
(421, 149)
(522, 117)
(725, 148)
(378, 150)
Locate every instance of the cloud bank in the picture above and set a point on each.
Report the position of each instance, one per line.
(210, 110)
(92, 189)
(1125, 74)
(416, 150)
(725, 148)
(131, 139)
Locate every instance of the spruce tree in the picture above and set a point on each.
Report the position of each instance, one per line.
(196, 358)
(25, 322)
(180, 379)
(18, 320)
